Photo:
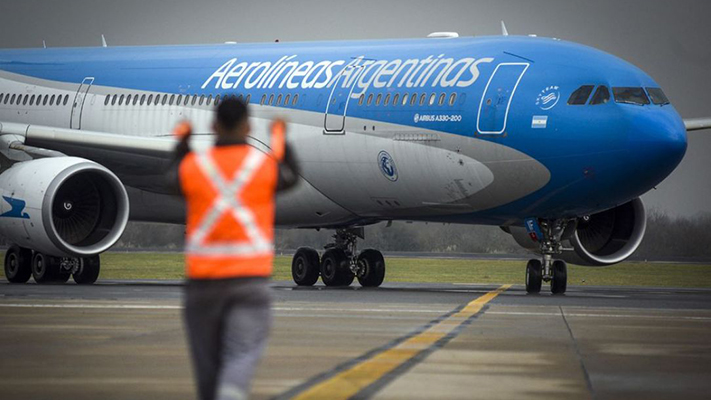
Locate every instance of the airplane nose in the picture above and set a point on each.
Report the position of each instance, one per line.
(658, 143)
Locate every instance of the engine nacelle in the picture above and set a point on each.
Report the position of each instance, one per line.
(605, 238)
(63, 206)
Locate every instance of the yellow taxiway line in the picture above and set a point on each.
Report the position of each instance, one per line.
(350, 382)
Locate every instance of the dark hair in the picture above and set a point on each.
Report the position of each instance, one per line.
(231, 112)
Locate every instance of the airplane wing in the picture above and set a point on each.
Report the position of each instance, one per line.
(139, 162)
(696, 124)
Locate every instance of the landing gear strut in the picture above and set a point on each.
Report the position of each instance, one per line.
(340, 264)
(547, 268)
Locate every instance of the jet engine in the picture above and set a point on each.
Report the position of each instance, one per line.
(62, 206)
(601, 239)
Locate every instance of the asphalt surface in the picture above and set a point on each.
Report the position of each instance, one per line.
(125, 340)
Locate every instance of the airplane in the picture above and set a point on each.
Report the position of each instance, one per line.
(550, 140)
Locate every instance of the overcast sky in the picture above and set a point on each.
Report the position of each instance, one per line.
(670, 40)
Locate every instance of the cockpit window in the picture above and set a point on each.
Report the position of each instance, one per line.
(630, 95)
(601, 96)
(657, 95)
(580, 95)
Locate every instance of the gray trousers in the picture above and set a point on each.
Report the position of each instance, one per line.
(227, 321)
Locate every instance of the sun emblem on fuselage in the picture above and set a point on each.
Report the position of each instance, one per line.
(548, 97)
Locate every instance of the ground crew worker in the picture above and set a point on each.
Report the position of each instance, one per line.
(229, 192)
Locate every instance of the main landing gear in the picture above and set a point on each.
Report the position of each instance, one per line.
(340, 264)
(547, 268)
(22, 263)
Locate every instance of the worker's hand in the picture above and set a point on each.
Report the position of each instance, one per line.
(183, 130)
(278, 131)
(278, 127)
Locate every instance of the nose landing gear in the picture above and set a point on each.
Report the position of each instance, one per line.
(547, 268)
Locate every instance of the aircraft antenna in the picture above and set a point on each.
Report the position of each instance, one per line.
(103, 41)
(504, 31)
(44, 43)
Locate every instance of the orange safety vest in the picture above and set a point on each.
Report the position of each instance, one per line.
(229, 193)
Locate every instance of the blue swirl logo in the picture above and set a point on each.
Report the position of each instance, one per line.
(387, 165)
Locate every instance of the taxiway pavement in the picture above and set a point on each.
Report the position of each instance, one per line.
(125, 340)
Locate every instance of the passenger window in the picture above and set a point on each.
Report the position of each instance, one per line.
(128, 100)
(32, 100)
(396, 99)
(387, 99)
(51, 100)
(113, 100)
(404, 99)
(121, 100)
(278, 100)
(271, 99)
(370, 99)
(106, 100)
(2, 95)
(630, 95)
(452, 99)
(249, 97)
(209, 100)
(442, 98)
(377, 99)
(172, 99)
(658, 97)
(288, 97)
(601, 96)
(413, 99)
(263, 100)
(135, 99)
(217, 99)
(12, 100)
(186, 100)
(361, 98)
(44, 101)
(150, 100)
(423, 98)
(580, 95)
(165, 100)
(433, 97)
(66, 99)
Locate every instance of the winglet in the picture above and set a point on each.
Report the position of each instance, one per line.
(504, 31)
(103, 41)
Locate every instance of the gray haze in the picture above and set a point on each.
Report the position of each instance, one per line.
(671, 40)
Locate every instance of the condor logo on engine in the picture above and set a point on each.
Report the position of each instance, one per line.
(18, 206)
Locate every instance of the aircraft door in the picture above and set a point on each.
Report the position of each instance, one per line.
(78, 104)
(496, 100)
(337, 105)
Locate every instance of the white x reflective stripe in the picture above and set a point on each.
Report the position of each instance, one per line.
(228, 201)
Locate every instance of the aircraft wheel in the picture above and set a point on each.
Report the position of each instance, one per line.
(45, 269)
(305, 266)
(559, 281)
(88, 271)
(334, 268)
(372, 265)
(534, 276)
(18, 264)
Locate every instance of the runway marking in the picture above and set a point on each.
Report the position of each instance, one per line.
(365, 375)
(362, 310)
(176, 307)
